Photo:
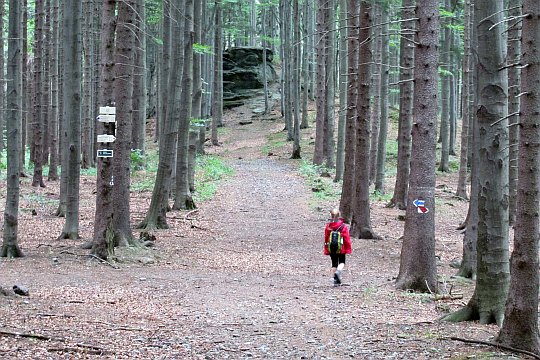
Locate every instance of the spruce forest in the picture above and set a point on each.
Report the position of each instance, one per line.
(168, 167)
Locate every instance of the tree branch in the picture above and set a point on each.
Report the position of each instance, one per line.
(497, 345)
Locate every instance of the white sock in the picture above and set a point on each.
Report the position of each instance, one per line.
(340, 267)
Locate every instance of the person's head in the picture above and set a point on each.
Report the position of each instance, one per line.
(334, 214)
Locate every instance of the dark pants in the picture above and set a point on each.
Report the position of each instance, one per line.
(337, 259)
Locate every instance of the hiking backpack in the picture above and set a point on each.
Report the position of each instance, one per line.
(335, 241)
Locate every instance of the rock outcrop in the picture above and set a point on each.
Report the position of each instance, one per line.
(243, 74)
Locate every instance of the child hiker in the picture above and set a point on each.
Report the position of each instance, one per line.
(337, 243)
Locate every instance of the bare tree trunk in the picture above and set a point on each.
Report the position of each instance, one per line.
(296, 153)
(139, 79)
(418, 268)
(156, 217)
(321, 80)
(514, 78)
(348, 187)
(37, 114)
(2, 76)
(103, 239)
(380, 172)
(183, 198)
(10, 247)
(493, 271)
(217, 93)
(53, 125)
(461, 189)
(123, 92)
(406, 74)
(361, 213)
(342, 86)
(520, 326)
(72, 111)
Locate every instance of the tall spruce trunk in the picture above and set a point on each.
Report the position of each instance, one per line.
(406, 73)
(520, 327)
(10, 247)
(183, 198)
(103, 239)
(347, 191)
(493, 271)
(123, 92)
(418, 268)
(361, 214)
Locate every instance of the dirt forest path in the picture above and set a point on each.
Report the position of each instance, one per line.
(242, 277)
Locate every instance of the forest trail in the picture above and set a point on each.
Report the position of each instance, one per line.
(242, 277)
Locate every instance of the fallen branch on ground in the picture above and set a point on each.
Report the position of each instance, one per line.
(497, 345)
(49, 338)
(89, 255)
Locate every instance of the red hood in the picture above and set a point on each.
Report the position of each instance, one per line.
(335, 225)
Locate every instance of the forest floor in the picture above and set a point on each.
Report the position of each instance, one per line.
(241, 277)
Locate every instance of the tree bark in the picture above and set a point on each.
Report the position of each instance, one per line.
(103, 239)
(361, 222)
(123, 92)
(10, 247)
(347, 191)
(520, 326)
(72, 49)
(418, 268)
(406, 73)
(493, 271)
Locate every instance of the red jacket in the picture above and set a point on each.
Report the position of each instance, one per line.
(347, 245)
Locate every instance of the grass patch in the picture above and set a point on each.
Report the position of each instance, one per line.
(323, 188)
(209, 170)
(274, 141)
(40, 199)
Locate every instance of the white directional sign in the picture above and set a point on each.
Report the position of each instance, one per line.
(106, 138)
(106, 118)
(107, 110)
(103, 153)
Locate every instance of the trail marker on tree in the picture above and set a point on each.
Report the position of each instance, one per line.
(107, 115)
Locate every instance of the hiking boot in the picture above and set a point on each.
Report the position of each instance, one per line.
(337, 277)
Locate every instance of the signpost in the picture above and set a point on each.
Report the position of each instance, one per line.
(106, 138)
(107, 115)
(105, 153)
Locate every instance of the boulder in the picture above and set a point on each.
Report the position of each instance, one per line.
(243, 73)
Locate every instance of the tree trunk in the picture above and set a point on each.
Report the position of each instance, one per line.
(375, 93)
(461, 189)
(347, 190)
(217, 91)
(342, 114)
(156, 217)
(37, 114)
(514, 54)
(103, 239)
(493, 272)
(10, 247)
(383, 125)
(520, 326)
(329, 142)
(445, 93)
(361, 222)
(295, 100)
(54, 123)
(321, 56)
(87, 111)
(72, 48)
(139, 79)
(406, 61)
(183, 198)
(2, 75)
(418, 268)
(123, 92)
